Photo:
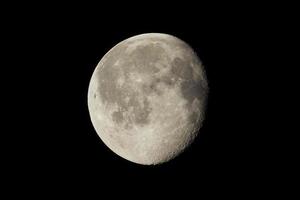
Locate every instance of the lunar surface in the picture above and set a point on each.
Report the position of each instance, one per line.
(147, 98)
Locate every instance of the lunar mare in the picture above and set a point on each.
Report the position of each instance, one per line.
(147, 98)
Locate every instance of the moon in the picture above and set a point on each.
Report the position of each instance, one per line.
(147, 98)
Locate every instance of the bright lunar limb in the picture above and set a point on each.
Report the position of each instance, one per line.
(147, 98)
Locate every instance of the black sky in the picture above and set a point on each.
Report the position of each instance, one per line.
(55, 147)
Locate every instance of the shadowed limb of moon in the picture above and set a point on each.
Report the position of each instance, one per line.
(147, 98)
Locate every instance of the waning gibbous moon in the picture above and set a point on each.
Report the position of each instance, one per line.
(147, 98)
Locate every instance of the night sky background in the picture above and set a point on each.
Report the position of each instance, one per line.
(55, 148)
